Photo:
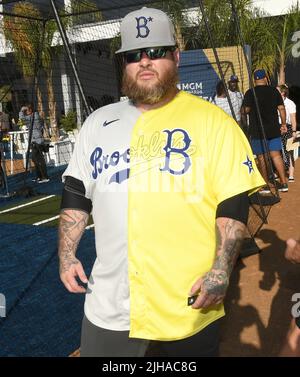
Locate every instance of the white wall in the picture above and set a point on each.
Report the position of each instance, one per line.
(274, 7)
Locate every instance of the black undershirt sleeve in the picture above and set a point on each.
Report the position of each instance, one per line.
(73, 196)
(236, 207)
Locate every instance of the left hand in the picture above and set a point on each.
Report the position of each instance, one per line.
(283, 129)
(212, 288)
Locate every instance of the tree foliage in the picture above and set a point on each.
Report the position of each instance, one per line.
(31, 38)
(285, 28)
(176, 10)
(24, 35)
(85, 12)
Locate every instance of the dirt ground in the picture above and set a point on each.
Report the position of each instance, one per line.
(258, 304)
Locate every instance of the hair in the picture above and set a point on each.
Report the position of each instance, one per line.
(284, 89)
(220, 88)
(29, 106)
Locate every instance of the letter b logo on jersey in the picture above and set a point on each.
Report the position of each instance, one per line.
(178, 152)
(142, 28)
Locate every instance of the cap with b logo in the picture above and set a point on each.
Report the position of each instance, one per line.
(146, 27)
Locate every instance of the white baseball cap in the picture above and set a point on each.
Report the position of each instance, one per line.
(146, 27)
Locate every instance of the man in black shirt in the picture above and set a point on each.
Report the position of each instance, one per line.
(269, 103)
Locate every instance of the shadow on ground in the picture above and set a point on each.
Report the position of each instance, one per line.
(274, 282)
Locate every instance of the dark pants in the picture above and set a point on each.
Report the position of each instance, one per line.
(99, 342)
(39, 161)
(285, 154)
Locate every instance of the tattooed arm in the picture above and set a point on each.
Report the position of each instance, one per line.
(71, 228)
(213, 285)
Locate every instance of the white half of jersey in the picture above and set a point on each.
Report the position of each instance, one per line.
(108, 129)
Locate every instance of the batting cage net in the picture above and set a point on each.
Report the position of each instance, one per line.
(57, 59)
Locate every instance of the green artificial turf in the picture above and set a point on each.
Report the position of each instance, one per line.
(35, 212)
(32, 213)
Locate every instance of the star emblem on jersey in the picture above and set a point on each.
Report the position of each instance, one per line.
(249, 163)
(106, 123)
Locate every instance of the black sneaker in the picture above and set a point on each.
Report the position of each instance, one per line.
(283, 187)
(291, 179)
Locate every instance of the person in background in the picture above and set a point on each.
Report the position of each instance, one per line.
(269, 103)
(29, 117)
(4, 122)
(291, 345)
(291, 123)
(221, 100)
(4, 137)
(233, 87)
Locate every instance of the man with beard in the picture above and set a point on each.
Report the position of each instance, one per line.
(167, 177)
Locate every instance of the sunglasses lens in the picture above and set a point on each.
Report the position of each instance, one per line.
(156, 53)
(152, 53)
(133, 56)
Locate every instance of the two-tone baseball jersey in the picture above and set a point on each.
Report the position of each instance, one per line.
(155, 180)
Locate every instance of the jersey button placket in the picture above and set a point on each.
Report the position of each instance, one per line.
(138, 308)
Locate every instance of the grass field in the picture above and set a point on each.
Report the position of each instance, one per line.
(36, 210)
(41, 208)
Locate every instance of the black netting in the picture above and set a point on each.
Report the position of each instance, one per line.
(67, 78)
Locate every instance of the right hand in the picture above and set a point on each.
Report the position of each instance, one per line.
(70, 269)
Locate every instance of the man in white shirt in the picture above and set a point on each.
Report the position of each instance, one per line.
(234, 92)
(290, 108)
(221, 101)
(233, 88)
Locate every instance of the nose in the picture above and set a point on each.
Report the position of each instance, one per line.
(145, 60)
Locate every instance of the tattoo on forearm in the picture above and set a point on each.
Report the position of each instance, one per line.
(229, 242)
(230, 235)
(71, 227)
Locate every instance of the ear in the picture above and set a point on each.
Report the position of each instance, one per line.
(176, 55)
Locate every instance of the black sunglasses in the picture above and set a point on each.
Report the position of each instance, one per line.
(152, 53)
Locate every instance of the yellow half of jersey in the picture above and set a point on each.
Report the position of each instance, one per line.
(185, 158)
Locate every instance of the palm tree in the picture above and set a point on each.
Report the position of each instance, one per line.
(258, 32)
(24, 45)
(85, 12)
(270, 40)
(175, 9)
(221, 24)
(31, 38)
(287, 24)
